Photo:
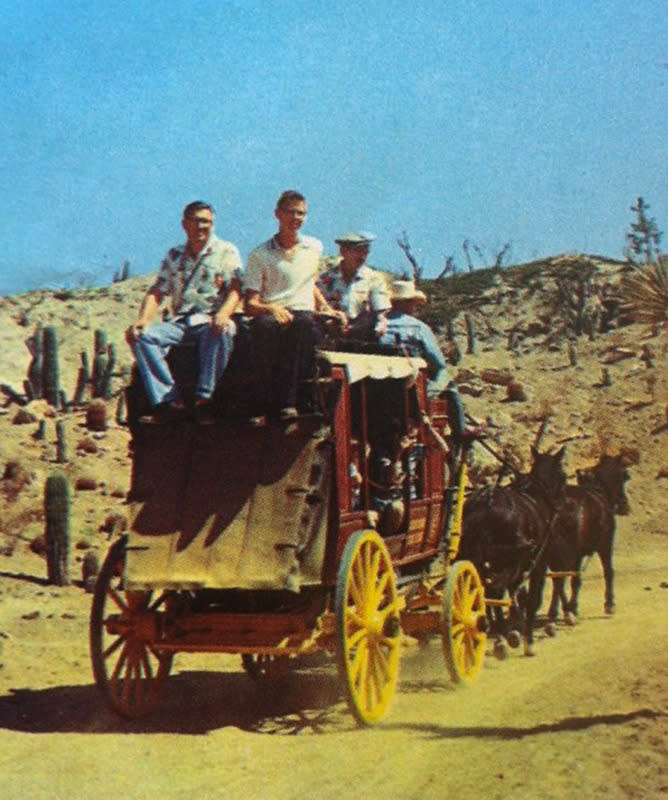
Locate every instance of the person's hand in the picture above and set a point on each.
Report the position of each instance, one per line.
(332, 313)
(282, 315)
(134, 332)
(219, 323)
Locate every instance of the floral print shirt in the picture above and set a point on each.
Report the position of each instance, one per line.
(199, 284)
(367, 291)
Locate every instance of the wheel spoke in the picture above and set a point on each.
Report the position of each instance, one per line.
(355, 638)
(113, 647)
(116, 597)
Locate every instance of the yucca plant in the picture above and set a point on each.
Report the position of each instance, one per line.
(645, 293)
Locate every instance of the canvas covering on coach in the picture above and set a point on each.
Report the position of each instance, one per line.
(231, 506)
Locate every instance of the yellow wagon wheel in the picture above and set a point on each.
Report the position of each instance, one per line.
(127, 668)
(463, 623)
(367, 626)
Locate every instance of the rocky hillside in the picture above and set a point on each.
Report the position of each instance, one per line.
(542, 352)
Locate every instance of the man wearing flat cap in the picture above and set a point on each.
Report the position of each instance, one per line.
(354, 288)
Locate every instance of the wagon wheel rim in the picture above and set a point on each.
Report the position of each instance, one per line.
(463, 622)
(128, 670)
(367, 626)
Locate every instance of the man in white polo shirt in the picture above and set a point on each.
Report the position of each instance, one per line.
(281, 296)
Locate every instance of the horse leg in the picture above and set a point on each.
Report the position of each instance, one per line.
(500, 629)
(557, 596)
(609, 574)
(534, 599)
(576, 583)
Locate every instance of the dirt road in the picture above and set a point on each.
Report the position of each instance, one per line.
(587, 717)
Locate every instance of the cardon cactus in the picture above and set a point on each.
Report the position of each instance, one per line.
(108, 372)
(100, 360)
(99, 371)
(61, 442)
(34, 381)
(100, 343)
(83, 379)
(50, 368)
(57, 511)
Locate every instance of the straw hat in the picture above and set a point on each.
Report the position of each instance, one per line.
(406, 290)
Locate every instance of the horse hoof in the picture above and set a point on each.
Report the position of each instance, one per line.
(609, 609)
(501, 649)
(550, 629)
(529, 650)
(514, 639)
(570, 619)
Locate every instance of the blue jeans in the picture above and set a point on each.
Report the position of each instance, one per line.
(151, 350)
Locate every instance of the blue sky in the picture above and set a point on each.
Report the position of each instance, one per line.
(534, 123)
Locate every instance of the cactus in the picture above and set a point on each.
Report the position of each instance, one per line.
(99, 362)
(83, 379)
(108, 372)
(100, 345)
(96, 416)
(57, 511)
(61, 442)
(99, 369)
(90, 568)
(34, 381)
(40, 433)
(121, 410)
(50, 369)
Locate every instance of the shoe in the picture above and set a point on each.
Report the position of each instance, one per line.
(163, 414)
(204, 412)
(290, 412)
(257, 422)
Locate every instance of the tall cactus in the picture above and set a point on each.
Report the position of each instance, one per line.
(108, 372)
(50, 368)
(33, 385)
(61, 442)
(57, 511)
(83, 379)
(100, 361)
(100, 343)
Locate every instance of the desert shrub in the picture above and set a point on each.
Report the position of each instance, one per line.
(645, 293)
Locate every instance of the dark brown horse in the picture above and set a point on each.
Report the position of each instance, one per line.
(506, 533)
(585, 524)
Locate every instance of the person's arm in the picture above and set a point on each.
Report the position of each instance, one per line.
(220, 319)
(439, 377)
(147, 312)
(323, 307)
(255, 307)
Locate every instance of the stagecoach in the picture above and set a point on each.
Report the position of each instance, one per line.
(337, 531)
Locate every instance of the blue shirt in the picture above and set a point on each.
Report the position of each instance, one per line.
(404, 331)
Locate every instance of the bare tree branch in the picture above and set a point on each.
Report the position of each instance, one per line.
(405, 245)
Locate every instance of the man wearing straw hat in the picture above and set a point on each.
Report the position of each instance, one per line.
(414, 337)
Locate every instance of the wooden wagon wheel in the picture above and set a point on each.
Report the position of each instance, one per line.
(368, 628)
(463, 623)
(127, 669)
